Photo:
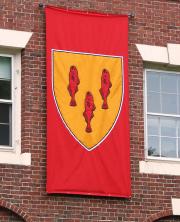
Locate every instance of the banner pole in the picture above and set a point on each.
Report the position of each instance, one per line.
(130, 15)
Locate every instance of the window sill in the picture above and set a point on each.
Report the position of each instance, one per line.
(15, 159)
(160, 167)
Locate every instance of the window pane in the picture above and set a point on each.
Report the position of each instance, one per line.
(169, 103)
(4, 135)
(153, 102)
(5, 89)
(178, 129)
(168, 127)
(169, 83)
(153, 126)
(153, 146)
(168, 147)
(5, 67)
(5, 112)
(178, 84)
(153, 81)
(178, 104)
(179, 148)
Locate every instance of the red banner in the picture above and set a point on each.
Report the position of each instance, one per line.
(87, 103)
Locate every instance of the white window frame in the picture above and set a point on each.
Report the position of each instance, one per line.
(158, 55)
(13, 155)
(11, 43)
(155, 114)
(15, 101)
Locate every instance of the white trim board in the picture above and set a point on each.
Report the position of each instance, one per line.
(174, 53)
(158, 54)
(159, 167)
(153, 53)
(15, 159)
(13, 38)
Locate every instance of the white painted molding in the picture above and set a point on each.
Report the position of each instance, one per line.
(153, 53)
(13, 38)
(167, 55)
(174, 53)
(15, 159)
(175, 206)
(159, 167)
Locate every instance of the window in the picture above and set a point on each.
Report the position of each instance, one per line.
(10, 100)
(161, 109)
(6, 101)
(10, 108)
(162, 93)
(12, 42)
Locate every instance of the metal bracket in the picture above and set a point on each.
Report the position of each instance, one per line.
(131, 15)
(42, 5)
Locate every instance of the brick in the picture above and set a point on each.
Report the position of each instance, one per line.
(156, 22)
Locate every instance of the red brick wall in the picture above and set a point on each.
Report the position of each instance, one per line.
(156, 22)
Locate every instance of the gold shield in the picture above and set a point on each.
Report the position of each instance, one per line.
(89, 68)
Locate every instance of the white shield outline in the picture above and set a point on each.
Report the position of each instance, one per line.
(56, 103)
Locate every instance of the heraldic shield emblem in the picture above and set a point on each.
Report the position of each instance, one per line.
(88, 91)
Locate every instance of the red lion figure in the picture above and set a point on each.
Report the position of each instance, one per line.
(105, 87)
(89, 108)
(73, 84)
